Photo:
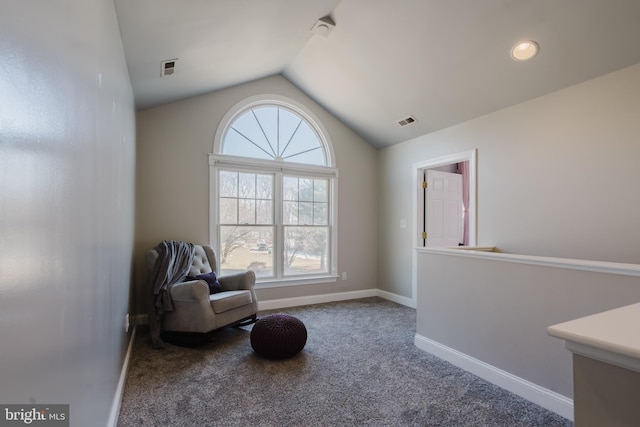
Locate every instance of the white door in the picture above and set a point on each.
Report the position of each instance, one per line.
(443, 210)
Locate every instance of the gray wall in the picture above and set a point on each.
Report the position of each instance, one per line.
(498, 312)
(557, 176)
(67, 137)
(173, 183)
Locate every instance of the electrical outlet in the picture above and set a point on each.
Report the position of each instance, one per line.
(126, 323)
(344, 275)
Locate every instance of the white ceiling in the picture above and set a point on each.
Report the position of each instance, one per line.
(442, 61)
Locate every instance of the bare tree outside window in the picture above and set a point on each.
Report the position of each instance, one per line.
(305, 250)
(232, 239)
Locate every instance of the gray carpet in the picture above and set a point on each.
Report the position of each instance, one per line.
(359, 367)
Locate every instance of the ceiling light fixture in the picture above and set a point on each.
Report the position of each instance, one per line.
(524, 50)
(323, 26)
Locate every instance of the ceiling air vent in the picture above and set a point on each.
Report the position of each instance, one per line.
(407, 121)
(168, 67)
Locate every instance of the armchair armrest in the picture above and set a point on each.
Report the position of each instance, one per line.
(193, 290)
(238, 281)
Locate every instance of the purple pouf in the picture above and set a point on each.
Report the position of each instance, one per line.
(278, 336)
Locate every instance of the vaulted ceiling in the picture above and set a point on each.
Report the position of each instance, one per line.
(441, 61)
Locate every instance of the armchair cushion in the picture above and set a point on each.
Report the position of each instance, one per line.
(229, 300)
(211, 279)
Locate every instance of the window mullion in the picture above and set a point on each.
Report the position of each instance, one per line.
(237, 197)
(279, 228)
(255, 199)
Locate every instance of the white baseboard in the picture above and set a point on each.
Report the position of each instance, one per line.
(276, 304)
(548, 399)
(396, 298)
(117, 399)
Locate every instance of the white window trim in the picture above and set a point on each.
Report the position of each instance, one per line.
(221, 161)
(295, 281)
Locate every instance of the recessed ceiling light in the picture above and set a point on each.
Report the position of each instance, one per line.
(524, 50)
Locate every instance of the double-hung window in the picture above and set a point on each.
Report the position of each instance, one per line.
(273, 191)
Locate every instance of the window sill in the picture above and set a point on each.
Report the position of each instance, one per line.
(296, 281)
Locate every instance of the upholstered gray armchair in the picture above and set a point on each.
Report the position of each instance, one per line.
(197, 311)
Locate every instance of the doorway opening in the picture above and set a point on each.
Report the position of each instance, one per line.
(421, 206)
(442, 170)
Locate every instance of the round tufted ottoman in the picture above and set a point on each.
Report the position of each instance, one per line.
(278, 336)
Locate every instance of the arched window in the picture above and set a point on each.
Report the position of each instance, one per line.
(274, 132)
(273, 191)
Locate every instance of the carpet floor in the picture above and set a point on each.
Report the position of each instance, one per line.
(360, 367)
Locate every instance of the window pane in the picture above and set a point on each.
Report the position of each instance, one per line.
(320, 190)
(290, 213)
(247, 185)
(289, 124)
(290, 188)
(320, 214)
(228, 184)
(246, 211)
(268, 120)
(306, 189)
(306, 250)
(246, 248)
(264, 187)
(248, 128)
(305, 214)
(237, 145)
(312, 157)
(264, 212)
(229, 211)
(304, 140)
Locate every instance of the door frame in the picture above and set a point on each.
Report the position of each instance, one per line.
(419, 204)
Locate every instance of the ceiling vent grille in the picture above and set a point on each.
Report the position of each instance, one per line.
(168, 67)
(406, 121)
